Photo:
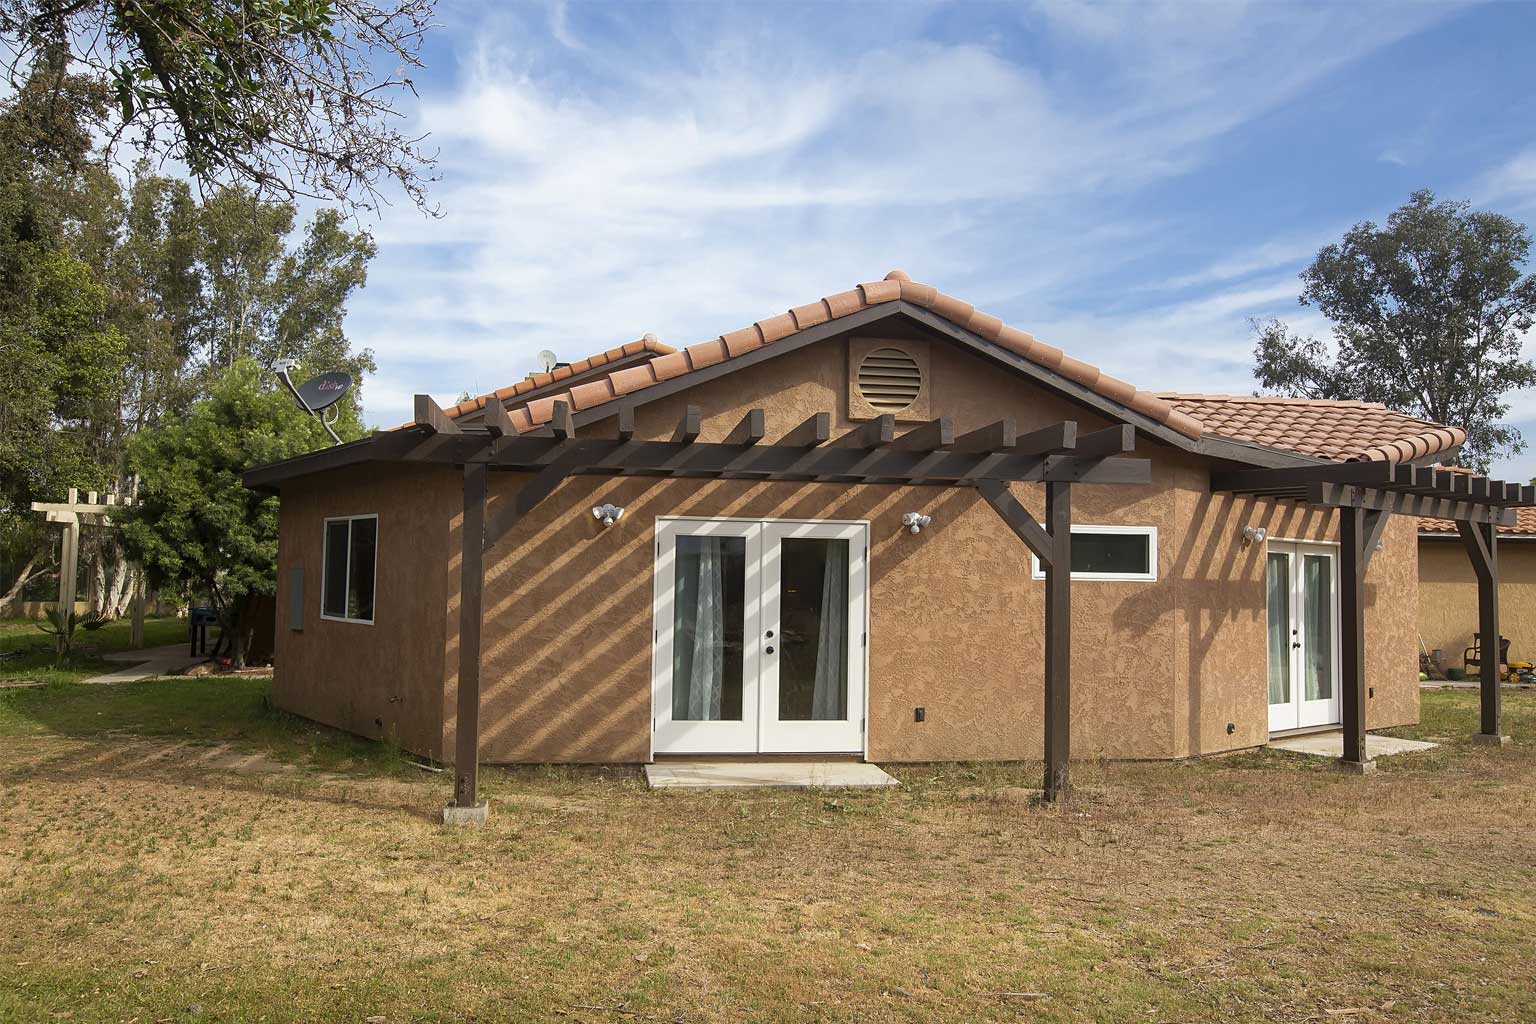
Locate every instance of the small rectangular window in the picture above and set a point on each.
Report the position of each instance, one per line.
(351, 553)
(1111, 553)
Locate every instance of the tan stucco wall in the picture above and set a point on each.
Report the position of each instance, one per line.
(1160, 668)
(1448, 598)
(379, 680)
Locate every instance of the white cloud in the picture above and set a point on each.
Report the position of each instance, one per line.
(1513, 181)
(629, 187)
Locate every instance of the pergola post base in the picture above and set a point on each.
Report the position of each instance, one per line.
(474, 815)
(1484, 739)
(1356, 767)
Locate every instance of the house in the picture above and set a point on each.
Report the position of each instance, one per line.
(813, 535)
(1448, 589)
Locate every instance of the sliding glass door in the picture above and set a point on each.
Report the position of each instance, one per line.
(759, 636)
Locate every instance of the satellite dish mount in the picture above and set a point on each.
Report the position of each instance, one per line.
(318, 394)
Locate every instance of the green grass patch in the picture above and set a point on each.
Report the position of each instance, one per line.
(27, 653)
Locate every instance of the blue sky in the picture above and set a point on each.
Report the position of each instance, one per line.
(1130, 183)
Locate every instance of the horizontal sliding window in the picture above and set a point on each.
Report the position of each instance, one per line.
(351, 559)
(1111, 553)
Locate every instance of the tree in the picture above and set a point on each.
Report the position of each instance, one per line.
(264, 302)
(197, 527)
(1429, 313)
(288, 97)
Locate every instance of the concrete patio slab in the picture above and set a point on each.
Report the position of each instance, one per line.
(1331, 744)
(147, 663)
(766, 775)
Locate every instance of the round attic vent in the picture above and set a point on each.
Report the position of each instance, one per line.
(889, 380)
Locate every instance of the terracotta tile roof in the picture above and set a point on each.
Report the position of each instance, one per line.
(534, 381)
(1340, 431)
(896, 285)
(1525, 524)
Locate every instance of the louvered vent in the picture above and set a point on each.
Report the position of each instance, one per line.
(889, 380)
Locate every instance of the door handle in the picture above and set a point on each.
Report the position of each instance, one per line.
(1296, 644)
(769, 649)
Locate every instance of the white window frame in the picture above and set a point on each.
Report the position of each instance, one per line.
(325, 546)
(1150, 576)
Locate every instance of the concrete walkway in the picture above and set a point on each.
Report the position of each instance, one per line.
(148, 663)
(766, 775)
(1331, 744)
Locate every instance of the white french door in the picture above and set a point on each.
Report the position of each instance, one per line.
(1302, 593)
(759, 638)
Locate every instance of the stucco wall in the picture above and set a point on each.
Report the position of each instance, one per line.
(379, 680)
(1448, 598)
(1160, 668)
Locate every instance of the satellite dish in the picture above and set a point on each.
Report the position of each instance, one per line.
(547, 360)
(325, 390)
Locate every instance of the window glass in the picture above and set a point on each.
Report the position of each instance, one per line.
(1128, 553)
(709, 629)
(336, 569)
(365, 533)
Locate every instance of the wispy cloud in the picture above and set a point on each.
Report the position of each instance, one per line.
(607, 175)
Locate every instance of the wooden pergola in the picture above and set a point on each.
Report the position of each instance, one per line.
(930, 455)
(1365, 495)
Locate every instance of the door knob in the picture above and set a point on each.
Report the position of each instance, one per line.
(770, 648)
(769, 634)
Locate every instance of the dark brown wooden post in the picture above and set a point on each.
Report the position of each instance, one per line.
(1482, 543)
(471, 585)
(1353, 534)
(1058, 642)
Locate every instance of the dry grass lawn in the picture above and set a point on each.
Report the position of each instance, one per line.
(174, 851)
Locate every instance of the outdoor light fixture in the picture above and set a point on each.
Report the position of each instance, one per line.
(607, 514)
(915, 521)
(1254, 534)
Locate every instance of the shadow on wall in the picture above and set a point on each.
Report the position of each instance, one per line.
(568, 602)
(1221, 583)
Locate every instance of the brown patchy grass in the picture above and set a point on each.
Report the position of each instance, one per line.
(248, 867)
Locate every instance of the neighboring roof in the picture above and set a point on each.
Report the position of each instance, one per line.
(896, 286)
(534, 381)
(1525, 525)
(1340, 431)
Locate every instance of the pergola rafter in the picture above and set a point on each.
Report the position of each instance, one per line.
(988, 459)
(1366, 494)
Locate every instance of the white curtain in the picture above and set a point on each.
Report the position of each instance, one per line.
(832, 638)
(699, 661)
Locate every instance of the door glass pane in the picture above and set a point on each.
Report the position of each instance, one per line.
(1317, 584)
(365, 533)
(708, 627)
(1277, 587)
(336, 569)
(813, 630)
(1129, 553)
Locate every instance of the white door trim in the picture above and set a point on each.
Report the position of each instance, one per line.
(668, 737)
(1301, 713)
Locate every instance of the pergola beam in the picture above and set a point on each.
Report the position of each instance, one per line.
(1052, 545)
(877, 433)
(1481, 541)
(1348, 496)
(431, 416)
(935, 435)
